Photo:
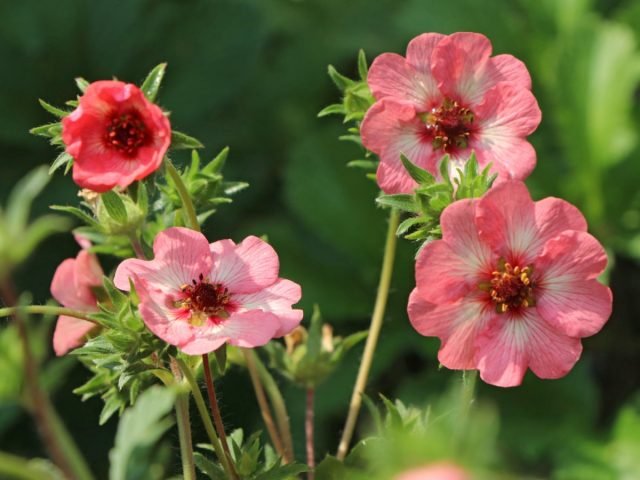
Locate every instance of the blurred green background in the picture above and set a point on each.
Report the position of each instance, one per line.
(252, 75)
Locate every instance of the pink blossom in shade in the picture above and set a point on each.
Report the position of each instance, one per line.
(512, 285)
(115, 136)
(72, 287)
(449, 96)
(435, 471)
(198, 296)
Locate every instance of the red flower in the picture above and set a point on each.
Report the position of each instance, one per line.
(115, 136)
(449, 96)
(511, 285)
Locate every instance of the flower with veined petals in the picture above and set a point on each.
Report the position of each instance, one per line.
(199, 296)
(72, 286)
(449, 96)
(115, 136)
(512, 284)
(435, 471)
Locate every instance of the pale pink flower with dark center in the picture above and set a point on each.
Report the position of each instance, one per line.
(115, 136)
(72, 286)
(449, 96)
(435, 471)
(199, 296)
(512, 285)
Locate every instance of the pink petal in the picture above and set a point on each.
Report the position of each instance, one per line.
(389, 129)
(450, 268)
(435, 471)
(419, 53)
(277, 299)
(181, 255)
(70, 332)
(245, 268)
(511, 70)
(506, 110)
(571, 255)
(88, 270)
(459, 63)
(512, 158)
(506, 221)
(163, 322)
(501, 350)
(66, 290)
(247, 329)
(457, 324)
(575, 308)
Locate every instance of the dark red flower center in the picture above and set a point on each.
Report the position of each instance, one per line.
(449, 126)
(126, 132)
(511, 287)
(206, 300)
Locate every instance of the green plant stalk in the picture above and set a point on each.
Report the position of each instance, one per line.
(204, 415)
(45, 310)
(184, 424)
(187, 204)
(277, 402)
(184, 434)
(466, 399)
(54, 435)
(263, 404)
(374, 332)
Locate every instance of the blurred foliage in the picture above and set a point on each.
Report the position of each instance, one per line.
(251, 74)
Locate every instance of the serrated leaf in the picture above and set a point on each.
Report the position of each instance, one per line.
(152, 83)
(400, 201)
(115, 206)
(82, 215)
(182, 141)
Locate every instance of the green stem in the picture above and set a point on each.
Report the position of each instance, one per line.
(277, 401)
(45, 310)
(374, 333)
(466, 399)
(204, 415)
(187, 203)
(184, 425)
(17, 468)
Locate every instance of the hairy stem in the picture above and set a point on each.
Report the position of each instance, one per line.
(184, 426)
(206, 419)
(308, 428)
(45, 310)
(213, 404)
(374, 333)
(265, 410)
(277, 402)
(187, 203)
(56, 439)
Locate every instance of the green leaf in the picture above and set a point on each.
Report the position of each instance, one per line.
(340, 80)
(406, 225)
(115, 206)
(208, 467)
(363, 69)
(314, 341)
(418, 174)
(63, 159)
(365, 164)
(334, 109)
(140, 428)
(182, 141)
(58, 112)
(47, 130)
(81, 214)
(22, 196)
(217, 164)
(151, 84)
(400, 201)
(82, 84)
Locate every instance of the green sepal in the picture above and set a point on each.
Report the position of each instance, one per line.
(152, 83)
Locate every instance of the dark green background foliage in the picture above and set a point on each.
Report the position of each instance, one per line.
(252, 75)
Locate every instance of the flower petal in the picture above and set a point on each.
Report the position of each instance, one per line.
(277, 299)
(70, 332)
(66, 289)
(389, 129)
(512, 158)
(511, 70)
(245, 268)
(507, 111)
(571, 255)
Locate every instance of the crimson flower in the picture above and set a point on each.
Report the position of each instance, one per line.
(115, 136)
(449, 96)
(199, 296)
(511, 285)
(72, 286)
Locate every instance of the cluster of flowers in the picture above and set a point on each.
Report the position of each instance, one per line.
(512, 283)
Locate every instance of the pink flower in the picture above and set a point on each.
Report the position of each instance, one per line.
(115, 136)
(512, 284)
(435, 471)
(72, 286)
(199, 296)
(449, 96)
